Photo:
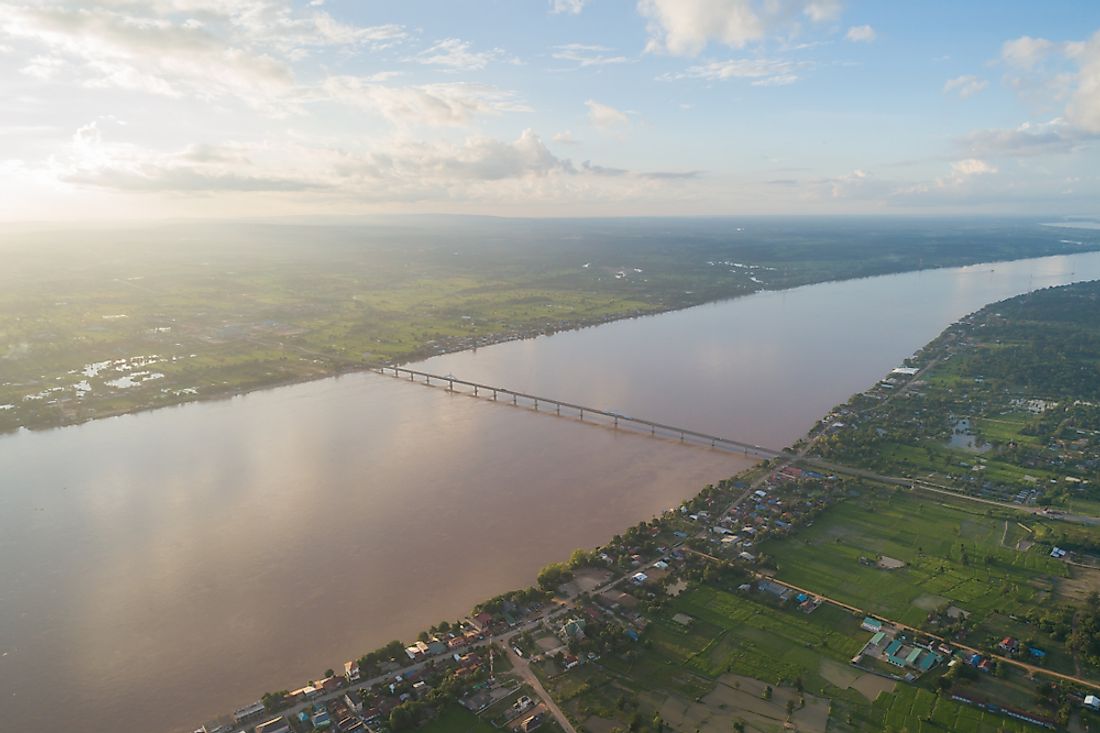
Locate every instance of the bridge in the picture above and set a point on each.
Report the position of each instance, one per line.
(637, 424)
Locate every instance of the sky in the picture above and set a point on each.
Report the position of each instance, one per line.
(125, 110)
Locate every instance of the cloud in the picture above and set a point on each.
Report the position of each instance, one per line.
(562, 138)
(397, 170)
(764, 72)
(605, 116)
(1083, 109)
(672, 175)
(1056, 136)
(971, 167)
(573, 7)
(149, 54)
(685, 27)
(456, 54)
(1025, 52)
(965, 86)
(586, 55)
(444, 104)
(861, 34)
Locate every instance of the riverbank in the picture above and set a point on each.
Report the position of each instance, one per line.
(98, 329)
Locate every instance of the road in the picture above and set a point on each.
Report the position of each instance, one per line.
(522, 667)
(1031, 668)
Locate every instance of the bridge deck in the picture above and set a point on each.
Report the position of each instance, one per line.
(714, 440)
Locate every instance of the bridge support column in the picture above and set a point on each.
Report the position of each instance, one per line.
(616, 421)
(475, 390)
(582, 414)
(513, 398)
(450, 386)
(494, 395)
(652, 430)
(536, 405)
(557, 407)
(681, 437)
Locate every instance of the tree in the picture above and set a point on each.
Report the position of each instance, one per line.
(767, 695)
(402, 718)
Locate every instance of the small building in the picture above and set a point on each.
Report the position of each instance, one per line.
(639, 578)
(249, 712)
(571, 629)
(683, 619)
(871, 624)
(351, 672)
(1092, 702)
(1009, 645)
(275, 725)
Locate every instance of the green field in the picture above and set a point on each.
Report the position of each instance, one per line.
(457, 719)
(930, 536)
(748, 635)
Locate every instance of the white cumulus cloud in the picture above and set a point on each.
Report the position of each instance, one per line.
(685, 27)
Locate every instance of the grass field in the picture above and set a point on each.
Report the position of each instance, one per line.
(952, 552)
(734, 634)
(457, 719)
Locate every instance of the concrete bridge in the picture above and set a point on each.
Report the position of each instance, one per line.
(637, 424)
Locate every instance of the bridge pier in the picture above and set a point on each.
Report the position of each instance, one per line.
(557, 407)
(494, 395)
(513, 398)
(616, 421)
(475, 390)
(536, 405)
(582, 413)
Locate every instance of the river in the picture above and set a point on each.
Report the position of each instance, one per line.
(158, 569)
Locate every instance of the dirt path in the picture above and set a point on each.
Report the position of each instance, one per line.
(523, 668)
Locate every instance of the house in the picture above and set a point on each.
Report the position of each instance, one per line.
(329, 684)
(275, 725)
(1058, 553)
(482, 621)
(1092, 702)
(321, 719)
(351, 672)
(249, 712)
(639, 578)
(871, 624)
(1009, 645)
(571, 629)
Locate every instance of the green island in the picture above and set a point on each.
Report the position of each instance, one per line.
(926, 559)
(104, 321)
